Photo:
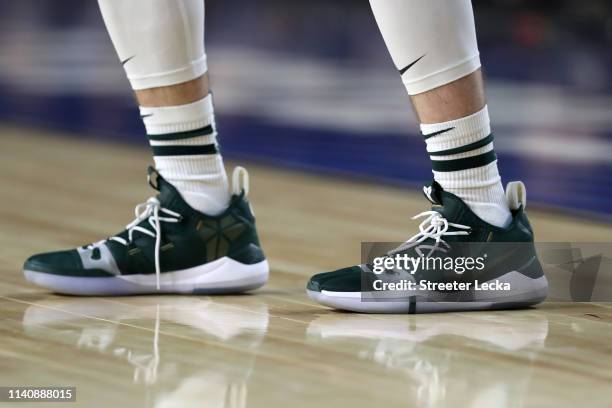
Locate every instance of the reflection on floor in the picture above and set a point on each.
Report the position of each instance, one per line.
(258, 350)
(99, 325)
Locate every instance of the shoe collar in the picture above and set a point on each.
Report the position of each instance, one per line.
(170, 198)
(455, 210)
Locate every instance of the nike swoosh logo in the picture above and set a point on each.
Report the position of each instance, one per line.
(146, 116)
(125, 61)
(439, 132)
(407, 67)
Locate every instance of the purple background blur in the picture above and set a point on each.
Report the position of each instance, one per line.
(309, 85)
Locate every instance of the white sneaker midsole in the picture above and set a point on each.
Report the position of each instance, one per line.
(221, 275)
(525, 291)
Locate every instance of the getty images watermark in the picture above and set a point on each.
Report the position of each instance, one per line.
(577, 272)
(414, 264)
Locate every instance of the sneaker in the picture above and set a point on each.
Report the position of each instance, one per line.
(509, 274)
(169, 248)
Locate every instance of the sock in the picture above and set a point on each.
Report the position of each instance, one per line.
(161, 43)
(186, 153)
(464, 163)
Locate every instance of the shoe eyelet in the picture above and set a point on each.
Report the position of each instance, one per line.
(133, 250)
(95, 254)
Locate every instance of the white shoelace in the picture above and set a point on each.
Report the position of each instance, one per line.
(435, 226)
(149, 209)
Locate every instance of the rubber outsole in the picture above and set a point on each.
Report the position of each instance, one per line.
(528, 292)
(222, 276)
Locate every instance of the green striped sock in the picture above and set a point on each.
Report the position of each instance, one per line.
(464, 163)
(186, 153)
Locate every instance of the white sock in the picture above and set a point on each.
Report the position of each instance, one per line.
(468, 166)
(186, 153)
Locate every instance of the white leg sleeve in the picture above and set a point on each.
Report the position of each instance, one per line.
(159, 42)
(431, 42)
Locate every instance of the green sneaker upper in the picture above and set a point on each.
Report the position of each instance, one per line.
(167, 235)
(450, 230)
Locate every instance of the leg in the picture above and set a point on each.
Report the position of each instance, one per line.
(454, 100)
(174, 95)
(161, 46)
(433, 45)
(192, 237)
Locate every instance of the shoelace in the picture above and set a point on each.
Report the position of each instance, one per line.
(149, 210)
(435, 226)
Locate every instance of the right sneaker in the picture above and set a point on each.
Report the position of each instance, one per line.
(169, 248)
(461, 263)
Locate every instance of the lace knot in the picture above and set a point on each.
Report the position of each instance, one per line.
(435, 227)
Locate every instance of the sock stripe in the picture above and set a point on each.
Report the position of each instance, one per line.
(465, 163)
(463, 149)
(203, 131)
(184, 150)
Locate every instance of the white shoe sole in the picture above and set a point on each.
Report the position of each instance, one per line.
(222, 276)
(524, 292)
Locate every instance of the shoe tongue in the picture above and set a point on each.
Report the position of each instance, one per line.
(168, 196)
(447, 204)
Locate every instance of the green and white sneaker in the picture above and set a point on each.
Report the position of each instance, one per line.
(504, 272)
(169, 248)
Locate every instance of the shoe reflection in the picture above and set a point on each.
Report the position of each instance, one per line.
(166, 340)
(456, 358)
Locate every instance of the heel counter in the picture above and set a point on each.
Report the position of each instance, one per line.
(525, 225)
(532, 269)
(247, 247)
(249, 254)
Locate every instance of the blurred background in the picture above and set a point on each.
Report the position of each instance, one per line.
(309, 85)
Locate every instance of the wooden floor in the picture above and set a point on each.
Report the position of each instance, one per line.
(273, 347)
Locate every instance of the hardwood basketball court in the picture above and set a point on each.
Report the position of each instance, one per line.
(272, 347)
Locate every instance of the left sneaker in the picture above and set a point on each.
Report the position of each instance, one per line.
(511, 276)
(169, 248)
